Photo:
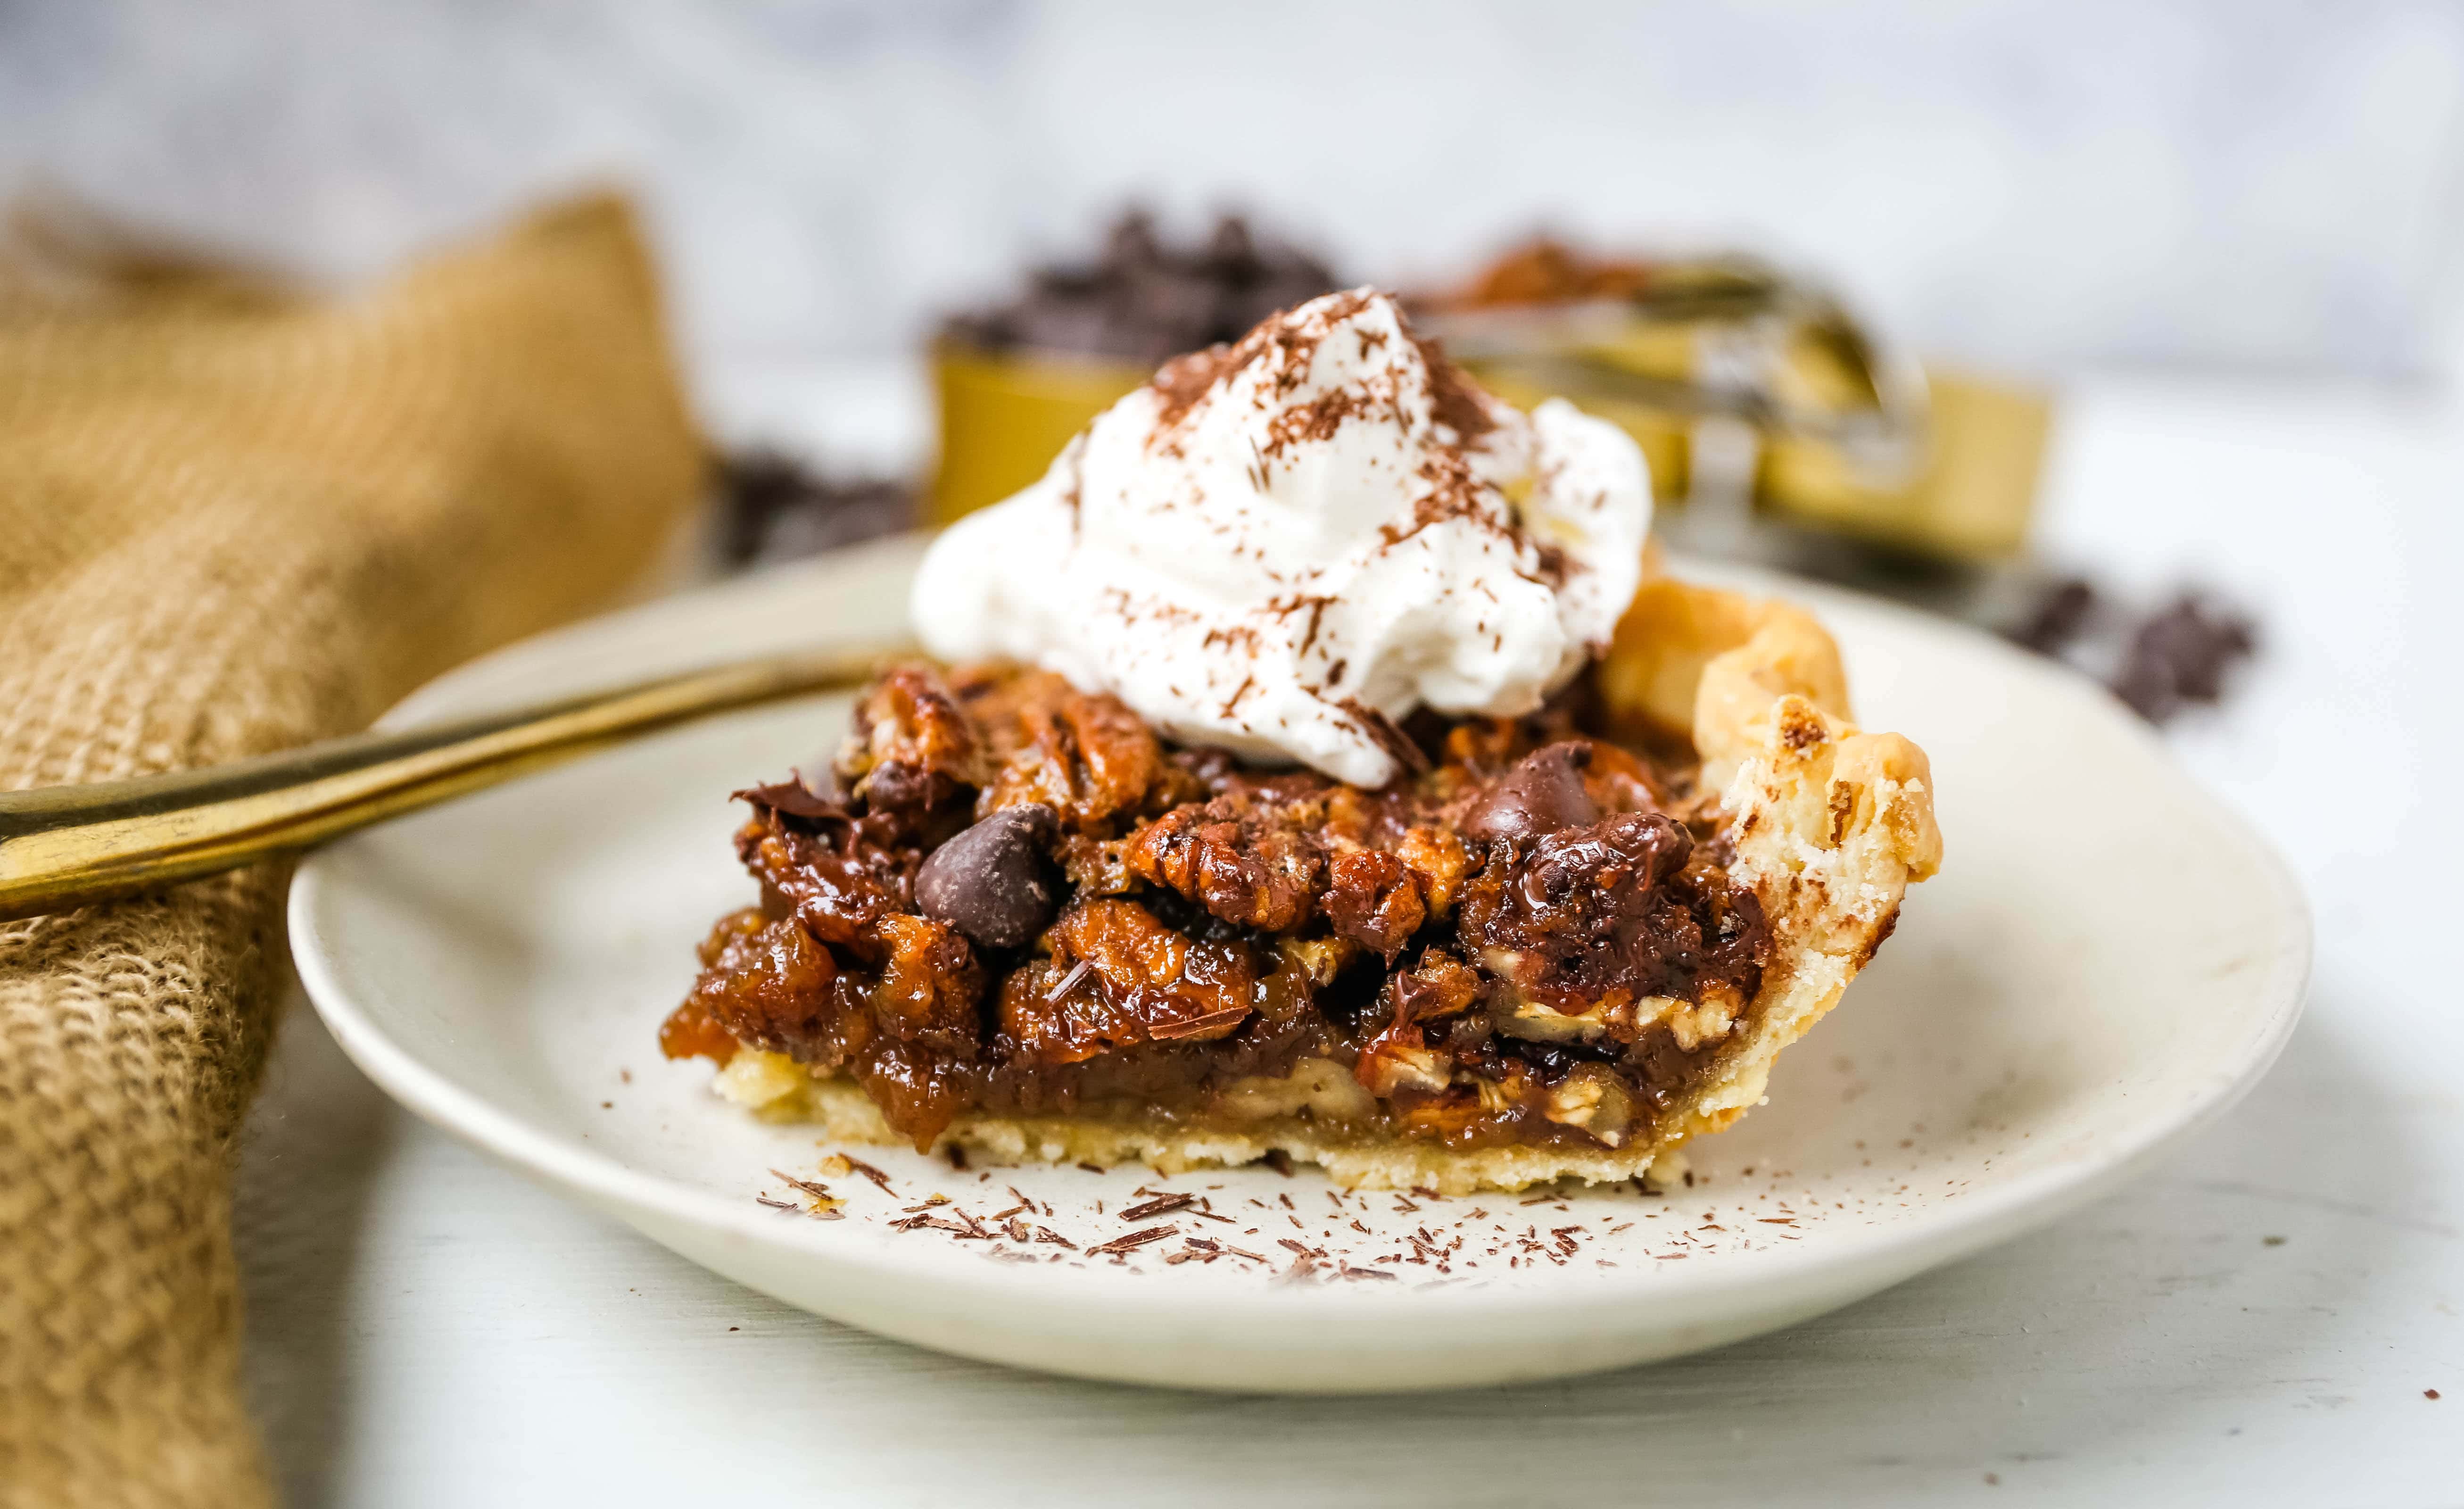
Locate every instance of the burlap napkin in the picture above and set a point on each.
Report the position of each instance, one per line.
(233, 519)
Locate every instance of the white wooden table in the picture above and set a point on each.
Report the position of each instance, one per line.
(2257, 1323)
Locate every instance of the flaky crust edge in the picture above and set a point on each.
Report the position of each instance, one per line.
(1830, 826)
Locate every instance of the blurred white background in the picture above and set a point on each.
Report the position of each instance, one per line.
(2265, 185)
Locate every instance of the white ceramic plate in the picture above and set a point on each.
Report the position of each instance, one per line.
(2105, 963)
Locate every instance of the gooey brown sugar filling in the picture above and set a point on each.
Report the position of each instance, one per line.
(1009, 896)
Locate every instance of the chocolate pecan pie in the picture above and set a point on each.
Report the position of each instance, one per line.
(1009, 916)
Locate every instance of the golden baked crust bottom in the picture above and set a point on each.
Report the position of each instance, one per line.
(1829, 826)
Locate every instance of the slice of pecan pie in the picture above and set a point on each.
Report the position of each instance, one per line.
(1012, 917)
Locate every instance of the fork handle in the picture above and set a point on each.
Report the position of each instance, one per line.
(65, 846)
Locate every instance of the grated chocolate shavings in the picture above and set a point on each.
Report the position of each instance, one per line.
(1129, 1241)
(1162, 1205)
(825, 1205)
(1453, 401)
(1381, 731)
(961, 1230)
(857, 1165)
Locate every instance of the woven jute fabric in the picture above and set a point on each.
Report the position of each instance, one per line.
(233, 519)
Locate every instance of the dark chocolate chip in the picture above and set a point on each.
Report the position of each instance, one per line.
(1131, 243)
(1542, 794)
(771, 507)
(2181, 655)
(1146, 298)
(1231, 251)
(993, 881)
(2058, 618)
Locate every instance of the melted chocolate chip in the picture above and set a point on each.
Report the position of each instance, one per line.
(991, 881)
(1542, 794)
(1645, 847)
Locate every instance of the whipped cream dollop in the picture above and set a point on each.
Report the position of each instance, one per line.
(1286, 545)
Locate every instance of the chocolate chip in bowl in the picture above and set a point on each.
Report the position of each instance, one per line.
(1145, 298)
(1015, 378)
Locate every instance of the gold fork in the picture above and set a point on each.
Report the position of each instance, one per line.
(64, 846)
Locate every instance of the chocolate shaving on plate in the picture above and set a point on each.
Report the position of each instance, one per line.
(1162, 1205)
(1132, 1239)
